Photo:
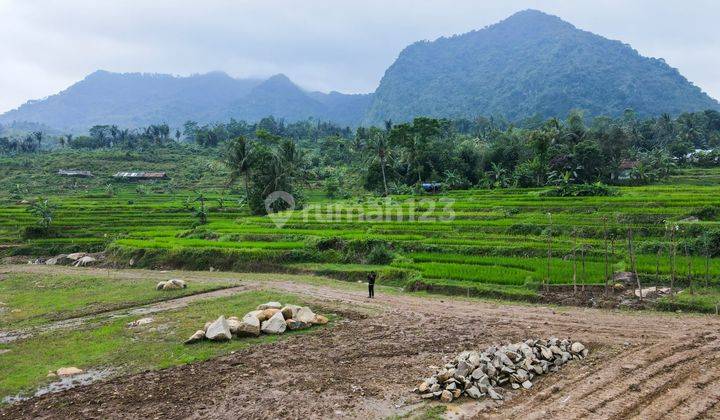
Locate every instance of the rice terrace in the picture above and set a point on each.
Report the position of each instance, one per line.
(454, 244)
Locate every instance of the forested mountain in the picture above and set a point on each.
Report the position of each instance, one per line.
(135, 99)
(531, 63)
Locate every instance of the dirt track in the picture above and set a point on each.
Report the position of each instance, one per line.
(640, 366)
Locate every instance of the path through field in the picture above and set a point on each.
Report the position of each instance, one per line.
(640, 366)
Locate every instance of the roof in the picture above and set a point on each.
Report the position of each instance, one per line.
(140, 175)
(74, 172)
(628, 164)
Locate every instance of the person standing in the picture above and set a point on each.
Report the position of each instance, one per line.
(371, 284)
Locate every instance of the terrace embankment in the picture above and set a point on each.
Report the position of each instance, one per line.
(641, 365)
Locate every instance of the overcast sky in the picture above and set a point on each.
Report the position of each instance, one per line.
(343, 45)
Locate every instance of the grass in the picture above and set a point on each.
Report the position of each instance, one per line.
(29, 300)
(497, 237)
(151, 346)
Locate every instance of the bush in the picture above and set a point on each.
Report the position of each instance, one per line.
(581, 190)
(707, 213)
(380, 254)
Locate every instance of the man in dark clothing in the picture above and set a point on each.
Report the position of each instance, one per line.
(371, 284)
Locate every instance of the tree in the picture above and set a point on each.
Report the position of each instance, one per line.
(38, 136)
(238, 158)
(380, 146)
(45, 211)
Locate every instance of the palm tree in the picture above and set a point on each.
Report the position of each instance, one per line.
(239, 159)
(38, 135)
(380, 146)
(498, 175)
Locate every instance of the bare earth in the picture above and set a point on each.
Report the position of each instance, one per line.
(641, 365)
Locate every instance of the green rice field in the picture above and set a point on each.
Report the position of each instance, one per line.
(479, 239)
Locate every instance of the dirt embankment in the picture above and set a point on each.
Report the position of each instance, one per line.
(641, 365)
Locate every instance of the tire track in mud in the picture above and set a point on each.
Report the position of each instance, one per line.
(105, 316)
(367, 363)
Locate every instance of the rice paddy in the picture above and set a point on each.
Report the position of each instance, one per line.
(485, 239)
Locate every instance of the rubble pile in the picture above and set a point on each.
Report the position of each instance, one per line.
(479, 374)
(268, 318)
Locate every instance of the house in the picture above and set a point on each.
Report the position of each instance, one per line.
(625, 169)
(137, 176)
(75, 173)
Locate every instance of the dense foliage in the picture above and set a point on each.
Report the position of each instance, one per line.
(530, 64)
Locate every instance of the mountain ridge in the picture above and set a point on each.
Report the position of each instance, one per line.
(529, 64)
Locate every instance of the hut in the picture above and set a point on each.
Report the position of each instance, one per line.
(75, 173)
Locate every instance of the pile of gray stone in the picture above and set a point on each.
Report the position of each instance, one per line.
(479, 374)
(268, 318)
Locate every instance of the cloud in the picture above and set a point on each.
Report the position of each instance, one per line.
(320, 44)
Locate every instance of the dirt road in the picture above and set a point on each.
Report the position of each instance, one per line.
(641, 366)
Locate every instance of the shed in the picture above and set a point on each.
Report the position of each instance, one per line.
(75, 173)
(625, 169)
(431, 187)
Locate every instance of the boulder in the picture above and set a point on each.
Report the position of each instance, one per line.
(207, 325)
(577, 347)
(270, 305)
(219, 330)
(305, 314)
(69, 371)
(473, 392)
(320, 320)
(274, 325)
(87, 260)
(174, 284)
(296, 325)
(160, 286)
(76, 256)
(257, 314)
(446, 396)
(268, 313)
(177, 282)
(249, 326)
(198, 336)
(493, 394)
(289, 311)
(59, 259)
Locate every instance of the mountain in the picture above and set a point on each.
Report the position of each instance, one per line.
(530, 63)
(138, 99)
(526, 65)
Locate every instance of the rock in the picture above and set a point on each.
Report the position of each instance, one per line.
(87, 260)
(446, 397)
(427, 396)
(198, 336)
(320, 320)
(423, 387)
(219, 330)
(527, 384)
(59, 259)
(69, 371)
(289, 311)
(76, 256)
(141, 321)
(296, 325)
(160, 286)
(456, 393)
(493, 394)
(233, 325)
(270, 305)
(179, 283)
(577, 347)
(207, 325)
(257, 314)
(274, 325)
(305, 314)
(475, 393)
(463, 369)
(174, 284)
(268, 313)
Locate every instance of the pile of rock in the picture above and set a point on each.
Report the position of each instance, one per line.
(269, 318)
(172, 284)
(479, 374)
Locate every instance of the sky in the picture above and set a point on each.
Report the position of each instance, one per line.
(342, 45)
